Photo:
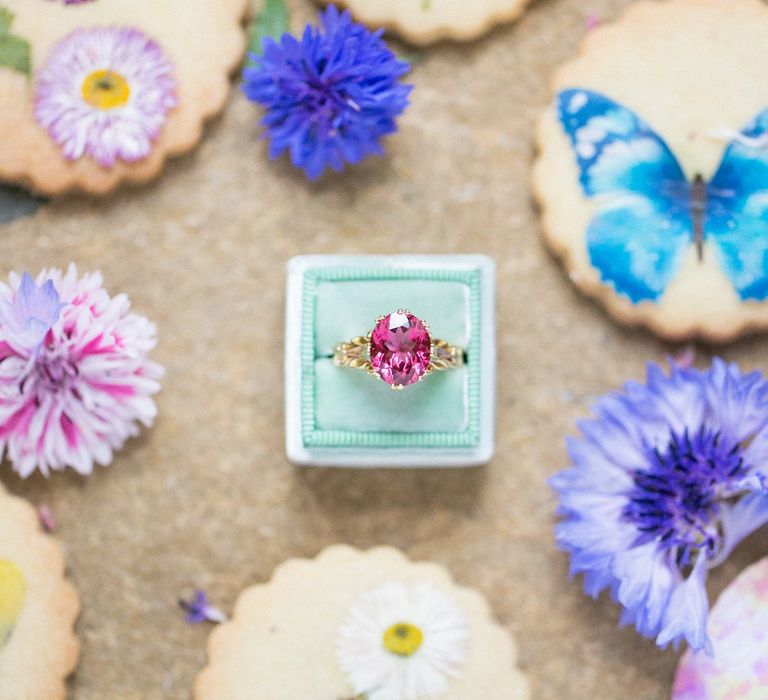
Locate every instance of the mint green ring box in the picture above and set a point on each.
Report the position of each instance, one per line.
(336, 416)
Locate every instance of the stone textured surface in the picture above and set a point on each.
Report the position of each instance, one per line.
(207, 498)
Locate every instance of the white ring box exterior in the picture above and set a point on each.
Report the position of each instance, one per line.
(481, 452)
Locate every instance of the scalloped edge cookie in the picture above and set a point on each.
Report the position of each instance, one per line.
(200, 42)
(458, 20)
(689, 84)
(289, 627)
(42, 650)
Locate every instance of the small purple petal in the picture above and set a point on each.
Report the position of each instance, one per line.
(47, 521)
(200, 610)
(686, 357)
(34, 310)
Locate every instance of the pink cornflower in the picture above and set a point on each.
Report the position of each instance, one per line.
(75, 377)
(105, 92)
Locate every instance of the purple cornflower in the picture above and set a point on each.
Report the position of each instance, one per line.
(200, 610)
(330, 96)
(665, 481)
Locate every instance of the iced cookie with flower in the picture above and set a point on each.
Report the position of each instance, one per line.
(353, 624)
(76, 379)
(113, 88)
(330, 96)
(38, 608)
(665, 480)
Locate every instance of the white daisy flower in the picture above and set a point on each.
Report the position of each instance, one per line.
(403, 642)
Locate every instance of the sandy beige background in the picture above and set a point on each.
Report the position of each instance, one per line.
(207, 498)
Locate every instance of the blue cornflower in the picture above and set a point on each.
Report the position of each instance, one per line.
(329, 97)
(666, 479)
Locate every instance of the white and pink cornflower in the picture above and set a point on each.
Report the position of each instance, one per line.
(76, 380)
(105, 93)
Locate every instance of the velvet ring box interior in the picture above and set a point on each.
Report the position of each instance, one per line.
(345, 417)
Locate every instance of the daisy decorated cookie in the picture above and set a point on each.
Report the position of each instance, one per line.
(38, 608)
(428, 21)
(738, 626)
(101, 92)
(653, 168)
(361, 625)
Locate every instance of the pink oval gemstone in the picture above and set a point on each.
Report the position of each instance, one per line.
(400, 349)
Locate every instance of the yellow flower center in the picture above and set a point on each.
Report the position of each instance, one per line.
(403, 639)
(13, 591)
(105, 89)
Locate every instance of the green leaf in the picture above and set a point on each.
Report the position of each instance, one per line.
(15, 54)
(14, 51)
(271, 21)
(6, 20)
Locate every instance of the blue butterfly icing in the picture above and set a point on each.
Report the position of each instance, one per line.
(649, 212)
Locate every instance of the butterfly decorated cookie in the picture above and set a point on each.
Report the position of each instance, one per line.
(427, 21)
(352, 625)
(98, 92)
(38, 608)
(652, 173)
(738, 626)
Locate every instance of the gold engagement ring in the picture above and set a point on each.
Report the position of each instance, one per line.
(399, 350)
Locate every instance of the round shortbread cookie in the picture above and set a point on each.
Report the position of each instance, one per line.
(738, 627)
(674, 82)
(115, 88)
(38, 608)
(321, 628)
(427, 21)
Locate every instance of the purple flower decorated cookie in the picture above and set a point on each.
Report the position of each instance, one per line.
(105, 91)
(665, 480)
(738, 627)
